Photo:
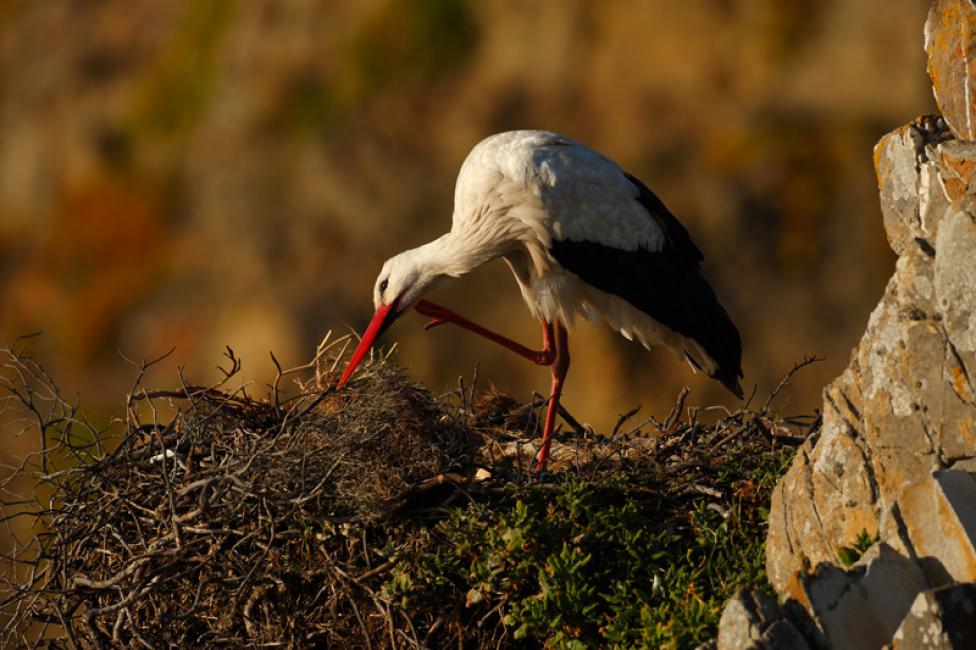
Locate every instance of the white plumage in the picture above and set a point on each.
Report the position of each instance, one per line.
(529, 187)
(581, 237)
(557, 186)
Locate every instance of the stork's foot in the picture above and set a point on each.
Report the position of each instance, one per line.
(434, 322)
(438, 315)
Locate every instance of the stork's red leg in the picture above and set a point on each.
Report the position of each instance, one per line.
(559, 369)
(556, 356)
(440, 315)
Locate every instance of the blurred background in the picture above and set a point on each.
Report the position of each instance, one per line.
(203, 173)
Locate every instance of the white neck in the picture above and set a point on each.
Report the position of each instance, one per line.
(456, 253)
(413, 272)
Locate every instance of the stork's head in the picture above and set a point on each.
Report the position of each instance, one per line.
(404, 278)
(402, 281)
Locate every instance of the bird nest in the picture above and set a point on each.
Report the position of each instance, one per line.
(208, 517)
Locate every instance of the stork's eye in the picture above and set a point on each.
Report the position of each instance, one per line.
(383, 285)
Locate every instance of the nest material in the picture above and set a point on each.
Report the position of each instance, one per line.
(244, 522)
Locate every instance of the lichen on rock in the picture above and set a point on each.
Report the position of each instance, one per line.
(904, 408)
(896, 456)
(950, 40)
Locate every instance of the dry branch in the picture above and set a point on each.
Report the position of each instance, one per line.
(243, 522)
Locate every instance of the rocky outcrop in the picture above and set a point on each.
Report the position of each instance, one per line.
(895, 459)
(903, 412)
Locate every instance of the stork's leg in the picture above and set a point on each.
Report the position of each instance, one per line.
(440, 315)
(559, 369)
(556, 356)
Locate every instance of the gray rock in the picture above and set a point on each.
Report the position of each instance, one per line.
(940, 619)
(744, 619)
(898, 436)
(782, 635)
(861, 607)
(942, 523)
(896, 163)
(752, 620)
(950, 40)
(905, 406)
(955, 291)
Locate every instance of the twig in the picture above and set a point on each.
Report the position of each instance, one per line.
(623, 418)
(786, 380)
(679, 406)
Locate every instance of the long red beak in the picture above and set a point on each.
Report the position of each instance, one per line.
(381, 320)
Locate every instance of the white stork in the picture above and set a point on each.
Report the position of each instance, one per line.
(581, 236)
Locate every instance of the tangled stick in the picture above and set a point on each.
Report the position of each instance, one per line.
(239, 521)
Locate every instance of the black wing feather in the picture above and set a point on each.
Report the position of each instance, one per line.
(667, 285)
(674, 231)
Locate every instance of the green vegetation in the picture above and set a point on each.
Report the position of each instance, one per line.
(848, 555)
(618, 562)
